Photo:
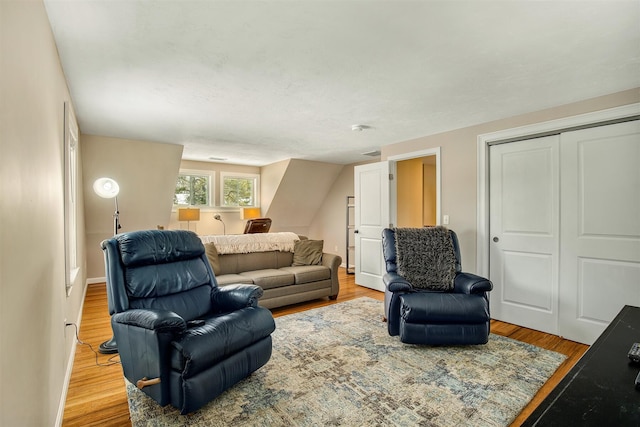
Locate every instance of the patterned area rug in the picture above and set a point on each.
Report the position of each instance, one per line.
(337, 366)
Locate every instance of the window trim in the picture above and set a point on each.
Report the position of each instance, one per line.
(256, 188)
(196, 172)
(71, 167)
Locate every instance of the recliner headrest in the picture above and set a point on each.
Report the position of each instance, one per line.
(147, 247)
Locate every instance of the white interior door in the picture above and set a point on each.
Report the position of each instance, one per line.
(600, 270)
(372, 215)
(523, 224)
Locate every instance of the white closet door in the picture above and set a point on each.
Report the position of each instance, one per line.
(524, 221)
(600, 187)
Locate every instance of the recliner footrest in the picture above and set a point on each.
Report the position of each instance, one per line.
(457, 334)
(445, 308)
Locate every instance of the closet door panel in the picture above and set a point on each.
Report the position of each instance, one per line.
(524, 217)
(600, 227)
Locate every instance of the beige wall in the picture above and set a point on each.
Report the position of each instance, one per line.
(146, 173)
(34, 349)
(270, 178)
(459, 161)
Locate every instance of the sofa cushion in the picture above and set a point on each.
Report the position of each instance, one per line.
(212, 255)
(229, 279)
(307, 252)
(270, 278)
(309, 273)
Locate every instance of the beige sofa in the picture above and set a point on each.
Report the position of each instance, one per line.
(282, 282)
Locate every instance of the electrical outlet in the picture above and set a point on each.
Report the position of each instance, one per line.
(67, 324)
(335, 248)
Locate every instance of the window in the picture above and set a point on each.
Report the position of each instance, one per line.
(70, 197)
(239, 189)
(193, 188)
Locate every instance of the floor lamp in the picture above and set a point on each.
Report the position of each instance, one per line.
(108, 188)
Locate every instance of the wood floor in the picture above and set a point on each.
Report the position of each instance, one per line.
(96, 394)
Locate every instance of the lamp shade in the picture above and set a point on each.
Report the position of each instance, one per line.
(106, 188)
(249, 213)
(189, 214)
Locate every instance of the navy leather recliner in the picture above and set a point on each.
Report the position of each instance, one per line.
(421, 316)
(182, 339)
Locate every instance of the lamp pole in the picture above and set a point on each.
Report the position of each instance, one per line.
(108, 188)
(116, 218)
(224, 227)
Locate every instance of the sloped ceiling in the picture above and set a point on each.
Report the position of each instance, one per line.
(256, 82)
(293, 190)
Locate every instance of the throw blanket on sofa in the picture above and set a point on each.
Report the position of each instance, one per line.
(425, 257)
(259, 242)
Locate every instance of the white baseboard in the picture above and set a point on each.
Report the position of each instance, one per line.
(70, 362)
(94, 280)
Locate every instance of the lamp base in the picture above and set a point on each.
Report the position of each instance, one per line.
(109, 347)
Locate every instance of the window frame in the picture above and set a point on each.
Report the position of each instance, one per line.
(240, 175)
(71, 167)
(211, 190)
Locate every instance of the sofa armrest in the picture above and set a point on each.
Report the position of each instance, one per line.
(468, 283)
(396, 283)
(333, 261)
(234, 297)
(153, 320)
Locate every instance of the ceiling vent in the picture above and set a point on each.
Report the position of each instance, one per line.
(375, 153)
(218, 159)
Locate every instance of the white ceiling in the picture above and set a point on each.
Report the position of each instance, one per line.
(256, 82)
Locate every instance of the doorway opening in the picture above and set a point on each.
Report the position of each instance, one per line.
(377, 207)
(417, 188)
(416, 192)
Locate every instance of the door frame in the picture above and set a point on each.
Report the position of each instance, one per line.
(393, 203)
(527, 132)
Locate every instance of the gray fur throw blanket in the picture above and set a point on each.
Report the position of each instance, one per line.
(425, 257)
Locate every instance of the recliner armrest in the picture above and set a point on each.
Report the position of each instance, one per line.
(396, 283)
(468, 283)
(151, 319)
(234, 297)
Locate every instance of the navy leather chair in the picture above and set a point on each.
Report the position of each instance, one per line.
(421, 316)
(182, 339)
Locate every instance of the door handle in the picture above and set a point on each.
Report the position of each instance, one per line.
(496, 240)
(355, 231)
